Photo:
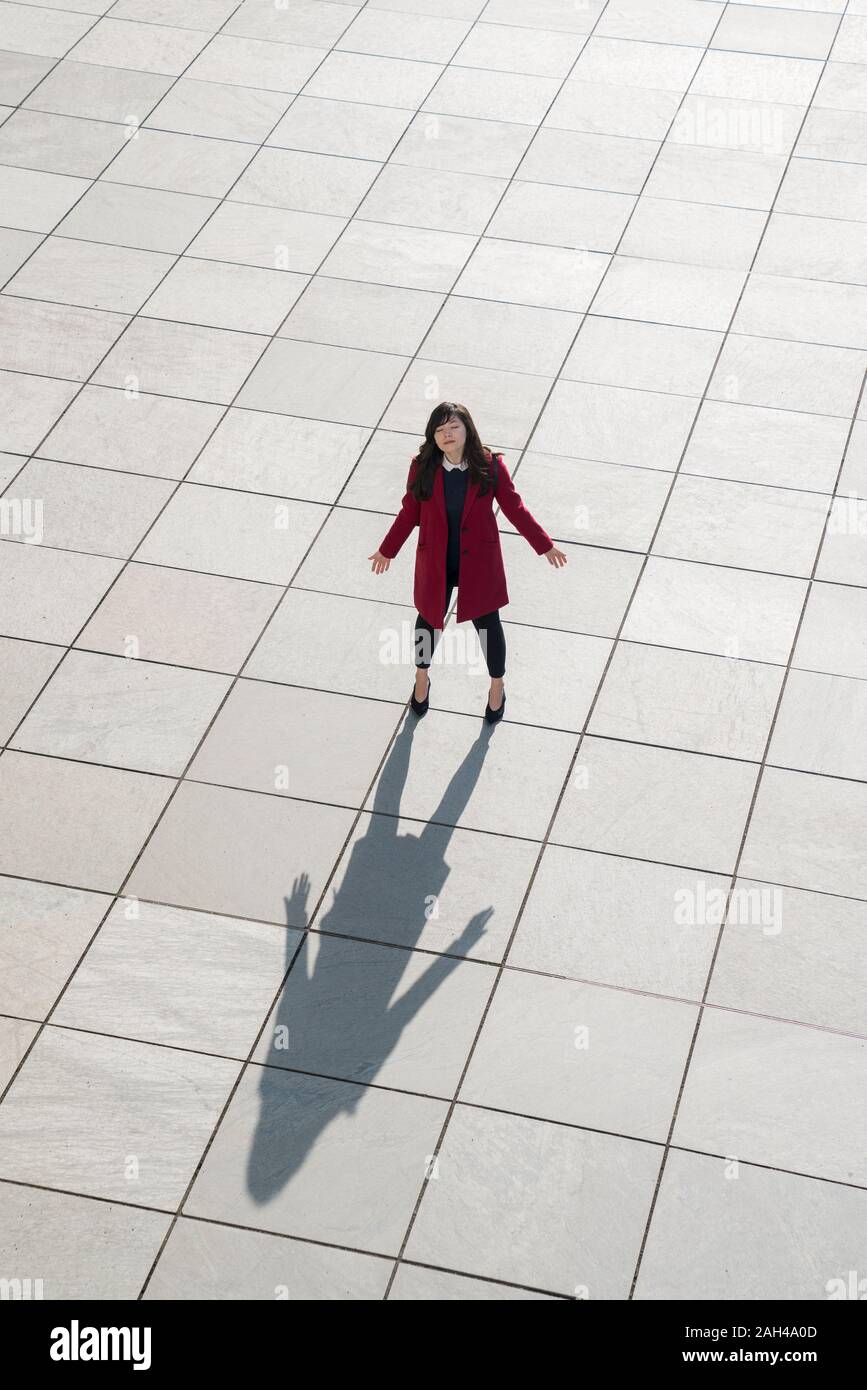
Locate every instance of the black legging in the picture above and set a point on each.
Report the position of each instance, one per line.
(489, 628)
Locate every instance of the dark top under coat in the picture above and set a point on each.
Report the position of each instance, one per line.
(455, 483)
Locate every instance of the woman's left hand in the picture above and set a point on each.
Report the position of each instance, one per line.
(555, 557)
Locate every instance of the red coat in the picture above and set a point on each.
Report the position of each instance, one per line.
(482, 584)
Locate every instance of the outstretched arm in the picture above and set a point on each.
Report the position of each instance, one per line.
(404, 522)
(515, 511)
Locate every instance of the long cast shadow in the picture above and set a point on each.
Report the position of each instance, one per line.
(337, 1013)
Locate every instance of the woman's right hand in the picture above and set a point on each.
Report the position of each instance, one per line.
(380, 562)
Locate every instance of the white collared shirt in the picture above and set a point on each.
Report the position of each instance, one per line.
(463, 465)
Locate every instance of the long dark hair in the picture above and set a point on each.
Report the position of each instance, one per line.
(430, 455)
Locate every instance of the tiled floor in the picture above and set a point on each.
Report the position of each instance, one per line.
(301, 997)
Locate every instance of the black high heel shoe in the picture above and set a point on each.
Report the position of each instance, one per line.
(420, 707)
(492, 715)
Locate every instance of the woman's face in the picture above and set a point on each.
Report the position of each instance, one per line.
(451, 435)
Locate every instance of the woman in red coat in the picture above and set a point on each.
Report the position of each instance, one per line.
(450, 496)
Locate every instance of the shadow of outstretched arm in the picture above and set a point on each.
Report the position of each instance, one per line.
(440, 967)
